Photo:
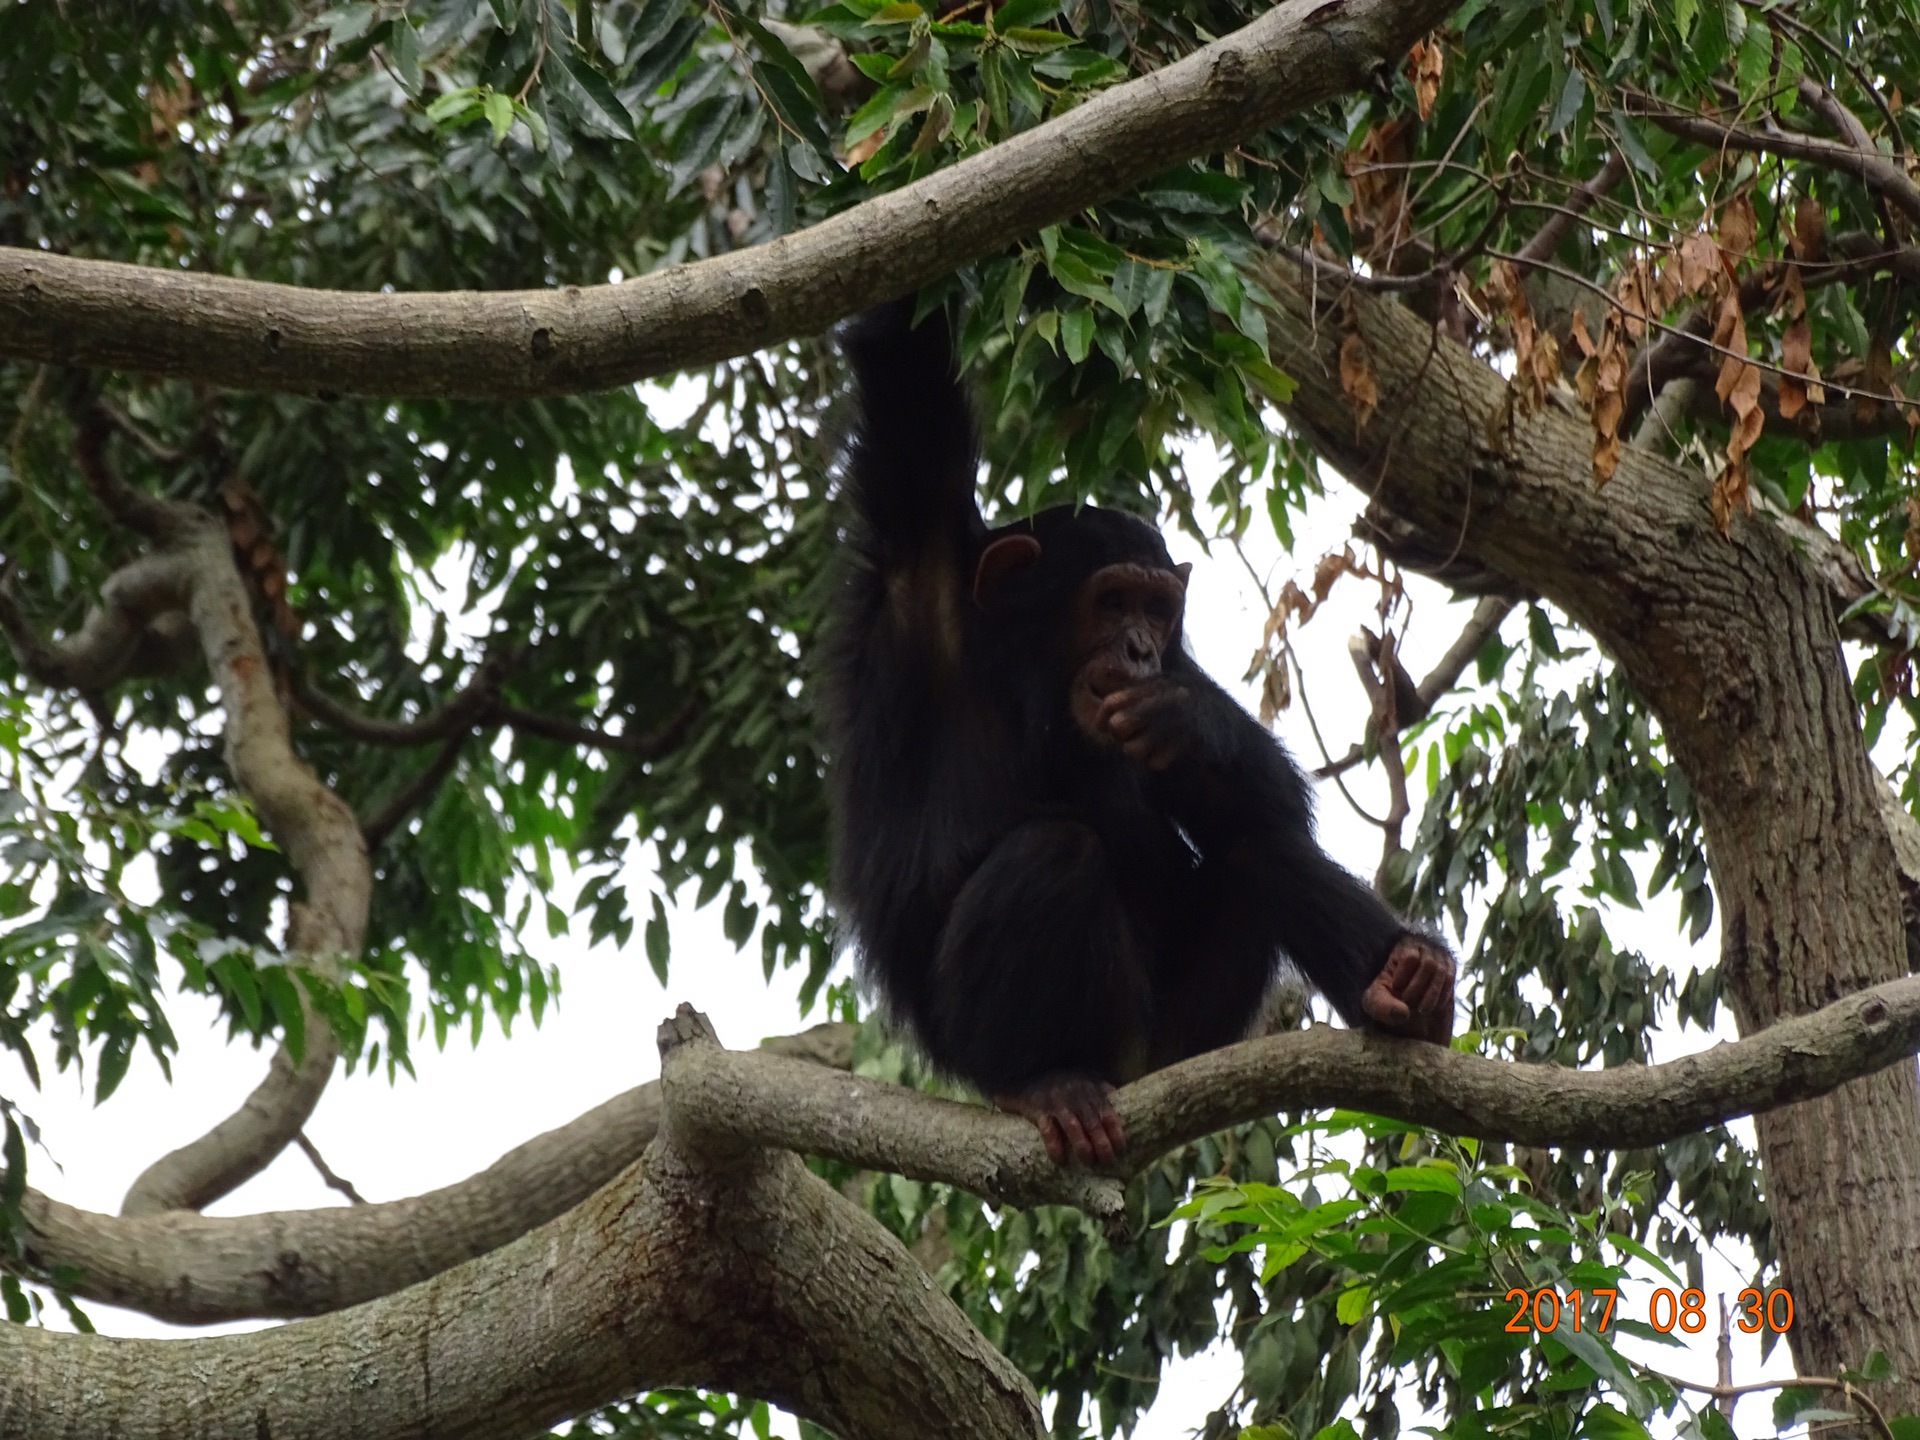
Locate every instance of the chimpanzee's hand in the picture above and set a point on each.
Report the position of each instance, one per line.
(1150, 722)
(1413, 993)
(1074, 1114)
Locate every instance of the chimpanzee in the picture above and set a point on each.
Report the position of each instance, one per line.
(1066, 856)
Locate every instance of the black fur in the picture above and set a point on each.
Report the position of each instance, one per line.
(1027, 903)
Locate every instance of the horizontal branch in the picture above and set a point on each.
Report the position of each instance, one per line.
(720, 1263)
(198, 1270)
(1880, 173)
(1625, 1108)
(708, 1266)
(766, 1101)
(256, 336)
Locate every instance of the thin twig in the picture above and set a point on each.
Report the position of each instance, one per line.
(648, 745)
(333, 1181)
(1852, 1392)
(1481, 627)
(415, 793)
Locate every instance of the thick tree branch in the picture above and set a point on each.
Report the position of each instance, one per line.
(308, 820)
(709, 1264)
(721, 1264)
(1730, 637)
(1627, 1107)
(140, 616)
(198, 1270)
(255, 336)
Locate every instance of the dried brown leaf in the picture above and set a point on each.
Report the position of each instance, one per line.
(1357, 380)
(1796, 358)
(1730, 336)
(1809, 239)
(1606, 458)
(1738, 227)
(1577, 332)
(1730, 493)
(1700, 266)
(1425, 66)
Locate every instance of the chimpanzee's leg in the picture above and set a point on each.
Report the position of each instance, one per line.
(1039, 990)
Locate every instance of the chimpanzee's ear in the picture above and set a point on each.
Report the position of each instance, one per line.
(1185, 571)
(1008, 555)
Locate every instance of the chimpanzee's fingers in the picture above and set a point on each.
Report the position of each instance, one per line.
(1050, 1136)
(1076, 1135)
(1421, 989)
(1116, 1134)
(1385, 1009)
(1095, 1114)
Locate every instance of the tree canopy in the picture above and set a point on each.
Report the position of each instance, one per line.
(1606, 306)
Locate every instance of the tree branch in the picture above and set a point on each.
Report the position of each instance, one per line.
(256, 336)
(722, 1264)
(313, 825)
(648, 745)
(192, 1269)
(709, 1264)
(1481, 627)
(137, 626)
(415, 793)
(1880, 173)
(1627, 1107)
(1546, 241)
(467, 709)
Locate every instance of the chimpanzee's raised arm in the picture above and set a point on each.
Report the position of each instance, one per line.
(912, 459)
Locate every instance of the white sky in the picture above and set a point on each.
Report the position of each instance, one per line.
(469, 1104)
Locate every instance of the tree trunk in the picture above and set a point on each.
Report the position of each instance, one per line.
(1732, 641)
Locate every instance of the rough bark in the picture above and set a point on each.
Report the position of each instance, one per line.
(196, 1270)
(1732, 641)
(707, 1264)
(254, 336)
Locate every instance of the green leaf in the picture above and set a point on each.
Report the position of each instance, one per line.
(347, 23)
(582, 73)
(1753, 66)
(796, 112)
(658, 941)
(877, 112)
(1036, 41)
(1441, 1179)
(499, 112)
(1022, 14)
(455, 107)
(403, 49)
(1353, 1303)
(1572, 95)
(1076, 334)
